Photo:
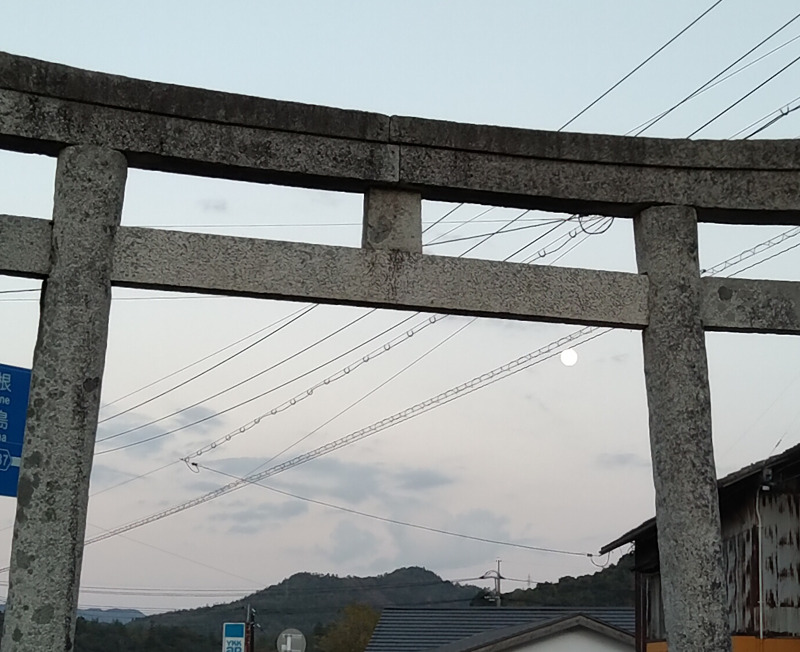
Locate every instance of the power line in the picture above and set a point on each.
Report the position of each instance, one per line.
(745, 96)
(782, 113)
(242, 382)
(471, 220)
(779, 111)
(710, 83)
(364, 397)
(20, 291)
(303, 395)
(637, 68)
(203, 359)
(291, 321)
(751, 252)
(214, 444)
(764, 260)
(501, 231)
(394, 521)
(447, 214)
(463, 389)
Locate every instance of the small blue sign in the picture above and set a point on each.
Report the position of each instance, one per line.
(15, 386)
(232, 637)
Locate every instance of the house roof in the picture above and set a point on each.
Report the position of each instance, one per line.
(499, 640)
(418, 629)
(788, 457)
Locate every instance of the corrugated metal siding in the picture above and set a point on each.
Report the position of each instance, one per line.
(740, 551)
(780, 518)
(654, 609)
(415, 630)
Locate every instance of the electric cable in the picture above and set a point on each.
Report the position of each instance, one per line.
(303, 395)
(641, 65)
(214, 444)
(20, 291)
(242, 382)
(479, 382)
(782, 113)
(778, 111)
(203, 359)
(745, 96)
(764, 260)
(447, 214)
(710, 83)
(488, 236)
(362, 399)
(256, 421)
(471, 220)
(728, 76)
(394, 521)
(297, 317)
(501, 231)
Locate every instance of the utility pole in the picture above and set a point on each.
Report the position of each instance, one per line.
(249, 629)
(497, 577)
(497, 583)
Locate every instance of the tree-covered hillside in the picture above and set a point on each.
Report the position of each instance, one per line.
(309, 601)
(316, 605)
(611, 587)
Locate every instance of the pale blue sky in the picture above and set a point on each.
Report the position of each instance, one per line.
(554, 456)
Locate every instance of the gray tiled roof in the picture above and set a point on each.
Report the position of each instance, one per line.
(414, 630)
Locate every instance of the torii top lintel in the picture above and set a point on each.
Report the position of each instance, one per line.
(45, 106)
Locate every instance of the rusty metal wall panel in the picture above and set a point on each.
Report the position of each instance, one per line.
(740, 551)
(780, 517)
(654, 608)
(740, 555)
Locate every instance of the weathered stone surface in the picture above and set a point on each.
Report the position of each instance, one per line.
(734, 305)
(153, 141)
(24, 246)
(751, 306)
(195, 262)
(56, 80)
(44, 106)
(679, 403)
(598, 148)
(392, 220)
(619, 189)
(68, 362)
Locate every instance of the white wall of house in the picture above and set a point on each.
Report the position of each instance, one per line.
(578, 640)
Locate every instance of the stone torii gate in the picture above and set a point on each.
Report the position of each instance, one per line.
(98, 125)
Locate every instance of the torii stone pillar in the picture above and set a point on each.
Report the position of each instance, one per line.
(64, 403)
(679, 402)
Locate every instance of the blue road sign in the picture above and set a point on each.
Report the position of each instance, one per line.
(232, 637)
(15, 385)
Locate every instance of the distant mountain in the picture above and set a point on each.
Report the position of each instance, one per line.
(110, 615)
(103, 615)
(309, 601)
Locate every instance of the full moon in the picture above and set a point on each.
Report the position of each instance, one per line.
(569, 357)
